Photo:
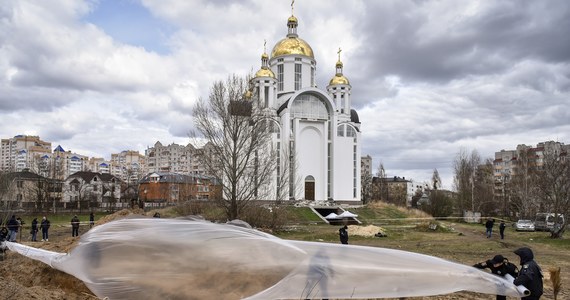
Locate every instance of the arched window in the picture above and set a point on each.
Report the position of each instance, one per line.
(340, 130)
(309, 106)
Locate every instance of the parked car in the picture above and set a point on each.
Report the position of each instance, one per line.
(524, 225)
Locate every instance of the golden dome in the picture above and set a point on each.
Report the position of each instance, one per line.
(339, 79)
(248, 94)
(292, 45)
(265, 72)
(339, 64)
(292, 19)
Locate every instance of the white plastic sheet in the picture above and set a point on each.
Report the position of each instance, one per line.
(151, 258)
(347, 214)
(331, 216)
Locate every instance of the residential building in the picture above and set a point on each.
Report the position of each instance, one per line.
(29, 191)
(396, 190)
(510, 163)
(163, 189)
(99, 165)
(366, 165)
(19, 153)
(60, 163)
(129, 165)
(173, 158)
(93, 191)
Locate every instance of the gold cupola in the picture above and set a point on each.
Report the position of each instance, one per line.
(339, 78)
(265, 71)
(292, 44)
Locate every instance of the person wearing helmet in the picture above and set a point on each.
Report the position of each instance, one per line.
(530, 275)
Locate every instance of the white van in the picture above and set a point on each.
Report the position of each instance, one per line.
(546, 221)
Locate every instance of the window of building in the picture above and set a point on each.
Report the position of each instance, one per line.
(298, 79)
(309, 106)
(20, 184)
(350, 131)
(312, 76)
(280, 77)
(340, 130)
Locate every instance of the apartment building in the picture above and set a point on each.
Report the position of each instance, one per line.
(366, 165)
(173, 158)
(20, 152)
(128, 165)
(508, 162)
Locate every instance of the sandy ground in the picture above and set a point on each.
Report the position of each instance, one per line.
(23, 278)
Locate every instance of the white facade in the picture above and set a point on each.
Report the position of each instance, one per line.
(317, 131)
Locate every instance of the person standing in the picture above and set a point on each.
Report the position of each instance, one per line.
(13, 226)
(343, 234)
(530, 275)
(74, 226)
(91, 220)
(45, 228)
(502, 227)
(499, 266)
(489, 226)
(34, 230)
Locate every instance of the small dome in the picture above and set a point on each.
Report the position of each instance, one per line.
(339, 79)
(292, 45)
(247, 95)
(292, 19)
(265, 72)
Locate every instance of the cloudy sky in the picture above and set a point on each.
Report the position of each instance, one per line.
(429, 78)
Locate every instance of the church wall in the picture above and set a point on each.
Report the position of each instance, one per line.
(311, 150)
(344, 168)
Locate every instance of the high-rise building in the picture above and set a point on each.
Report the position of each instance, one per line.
(21, 152)
(509, 163)
(128, 165)
(173, 158)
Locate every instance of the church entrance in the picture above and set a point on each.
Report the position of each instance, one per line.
(309, 188)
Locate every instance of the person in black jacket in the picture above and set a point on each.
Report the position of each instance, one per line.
(75, 226)
(499, 266)
(343, 234)
(502, 227)
(45, 228)
(489, 226)
(13, 227)
(34, 230)
(530, 275)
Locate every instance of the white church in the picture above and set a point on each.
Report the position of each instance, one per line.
(319, 128)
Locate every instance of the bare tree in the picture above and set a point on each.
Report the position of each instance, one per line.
(241, 156)
(464, 167)
(522, 188)
(553, 182)
(288, 184)
(366, 187)
(380, 187)
(483, 189)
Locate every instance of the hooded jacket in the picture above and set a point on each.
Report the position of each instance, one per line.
(530, 274)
